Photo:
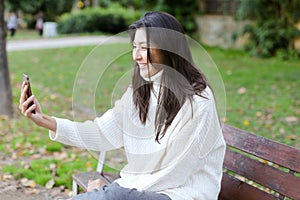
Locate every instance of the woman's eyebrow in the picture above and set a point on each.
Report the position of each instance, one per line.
(143, 42)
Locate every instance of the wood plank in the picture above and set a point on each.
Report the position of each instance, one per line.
(263, 174)
(264, 148)
(234, 189)
(110, 176)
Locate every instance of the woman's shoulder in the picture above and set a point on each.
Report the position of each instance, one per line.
(206, 96)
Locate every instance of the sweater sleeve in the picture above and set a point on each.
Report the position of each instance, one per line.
(188, 151)
(102, 134)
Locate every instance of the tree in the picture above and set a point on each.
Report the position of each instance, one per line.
(184, 11)
(51, 8)
(274, 31)
(5, 88)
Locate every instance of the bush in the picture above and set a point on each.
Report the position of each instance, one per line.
(270, 38)
(114, 19)
(274, 31)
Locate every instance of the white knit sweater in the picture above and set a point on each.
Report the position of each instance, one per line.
(187, 164)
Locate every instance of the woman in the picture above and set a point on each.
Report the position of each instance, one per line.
(12, 23)
(166, 122)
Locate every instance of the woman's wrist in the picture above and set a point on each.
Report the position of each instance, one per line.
(47, 122)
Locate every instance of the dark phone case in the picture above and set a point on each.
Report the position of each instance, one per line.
(29, 93)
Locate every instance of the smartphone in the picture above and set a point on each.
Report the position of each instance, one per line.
(29, 92)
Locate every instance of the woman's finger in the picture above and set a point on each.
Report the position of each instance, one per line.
(28, 112)
(26, 103)
(23, 94)
(94, 184)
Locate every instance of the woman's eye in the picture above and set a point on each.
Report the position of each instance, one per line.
(144, 48)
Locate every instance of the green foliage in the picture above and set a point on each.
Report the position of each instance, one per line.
(54, 147)
(274, 31)
(136, 4)
(51, 8)
(38, 171)
(112, 20)
(184, 11)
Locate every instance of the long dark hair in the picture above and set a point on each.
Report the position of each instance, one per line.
(180, 80)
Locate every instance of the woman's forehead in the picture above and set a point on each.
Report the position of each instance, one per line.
(140, 36)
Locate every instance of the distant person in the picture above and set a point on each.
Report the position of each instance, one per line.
(40, 24)
(12, 23)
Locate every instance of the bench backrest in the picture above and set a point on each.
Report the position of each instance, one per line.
(258, 168)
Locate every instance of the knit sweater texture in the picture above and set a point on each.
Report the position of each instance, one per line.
(185, 165)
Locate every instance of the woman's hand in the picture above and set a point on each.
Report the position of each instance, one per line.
(94, 184)
(38, 117)
(26, 109)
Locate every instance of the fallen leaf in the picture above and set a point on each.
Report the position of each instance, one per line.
(52, 166)
(292, 137)
(88, 164)
(26, 166)
(258, 114)
(50, 184)
(14, 156)
(28, 183)
(53, 96)
(31, 192)
(6, 177)
(241, 90)
(229, 72)
(291, 119)
(60, 156)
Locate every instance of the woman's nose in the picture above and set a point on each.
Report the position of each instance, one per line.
(137, 55)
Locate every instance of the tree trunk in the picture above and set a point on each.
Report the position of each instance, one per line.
(5, 88)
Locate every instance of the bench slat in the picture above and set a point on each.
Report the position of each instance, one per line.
(234, 189)
(285, 156)
(263, 174)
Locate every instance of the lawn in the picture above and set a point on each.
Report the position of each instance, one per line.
(262, 96)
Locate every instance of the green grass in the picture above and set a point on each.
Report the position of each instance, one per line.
(271, 95)
(23, 34)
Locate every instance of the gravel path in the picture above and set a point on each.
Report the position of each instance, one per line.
(46, 43)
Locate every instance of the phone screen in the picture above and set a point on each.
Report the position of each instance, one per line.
(29, 92)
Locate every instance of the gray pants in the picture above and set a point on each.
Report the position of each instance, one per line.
(115, 192)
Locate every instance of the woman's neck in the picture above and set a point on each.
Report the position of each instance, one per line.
(156, 78)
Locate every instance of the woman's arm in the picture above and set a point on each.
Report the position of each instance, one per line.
(38, 117)
(102, 134)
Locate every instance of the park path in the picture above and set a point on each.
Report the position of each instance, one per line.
(61, 42)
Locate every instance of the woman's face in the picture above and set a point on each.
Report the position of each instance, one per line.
(139, 54)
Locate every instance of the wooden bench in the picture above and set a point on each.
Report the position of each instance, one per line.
(255, 168)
